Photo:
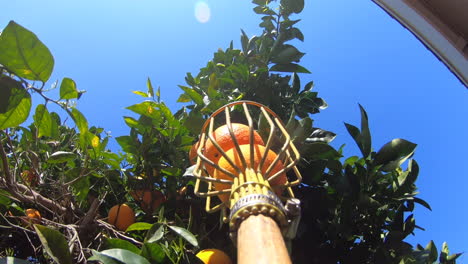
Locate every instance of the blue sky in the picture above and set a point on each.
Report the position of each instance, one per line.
(355, 51)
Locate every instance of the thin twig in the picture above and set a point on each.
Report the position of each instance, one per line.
(118, 233)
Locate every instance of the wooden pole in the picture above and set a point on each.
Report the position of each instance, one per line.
(259, 241)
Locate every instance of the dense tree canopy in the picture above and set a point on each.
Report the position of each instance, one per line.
(355, 209)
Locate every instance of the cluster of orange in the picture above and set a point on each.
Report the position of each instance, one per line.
(224, 140)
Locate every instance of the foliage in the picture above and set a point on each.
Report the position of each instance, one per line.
(354, 210)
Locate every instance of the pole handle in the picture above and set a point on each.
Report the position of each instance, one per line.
(259, 241)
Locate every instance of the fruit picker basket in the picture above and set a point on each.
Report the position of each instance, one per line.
(245, 150)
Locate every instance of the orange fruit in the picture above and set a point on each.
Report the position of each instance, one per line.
(33, 216)
(225, 141)
(193, 153)
(213, 256)
(121, 216)
(149, 200)
(259, 151)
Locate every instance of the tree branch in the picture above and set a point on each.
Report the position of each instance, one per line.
(6, 169)
(24, 194)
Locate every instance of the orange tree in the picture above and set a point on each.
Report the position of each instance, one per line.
(354, 210)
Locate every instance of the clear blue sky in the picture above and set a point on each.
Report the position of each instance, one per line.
(356, 52)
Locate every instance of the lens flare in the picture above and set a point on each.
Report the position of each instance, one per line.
(202, 12)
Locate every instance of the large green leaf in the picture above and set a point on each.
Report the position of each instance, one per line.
(128, 144)
(122, 244)
(185, 234)
(194, 96)
(361, 137)
(68, 89)
(154, 252)
(287, 54)
(155, 234)
(24, 54)
(12, 260)
(394, 153)
(54, 244)
(121, 255)
(147, 108)
(43, 121)
(61, 156)
(365, 139)
(15, 103)
(139, 226)
(294, 6)
(82, 124)
(289, 67)
(97, 256)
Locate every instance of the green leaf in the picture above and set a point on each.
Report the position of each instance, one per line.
(140, 93)
(122, 244)
(320, 135)
(295, 6)
(432, 251)
(128, 144)
(394, 153)
(97, 256)
(365, 138)
(453, 257)
(287, 54)
(194, 96)
(308, 87)
(154, 234)
(244, 41)
(121, 255)
(24, 54)
(146, 108)
(12, 260)
(265, 10)
(61, 156)
(132, 122)
(54, 244)
(294, 33)
(139, 226)
(43, 121)
(68, 89)
(289, 67)
(422, 202)
(260, 2)
(320, 150)
(184, 98)
(185, 234)
(150, 88)
(15, 103)
(194, 122)
(154, 252)
(82, 124)
(354, 132)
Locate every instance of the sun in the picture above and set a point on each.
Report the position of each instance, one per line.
(202, 12)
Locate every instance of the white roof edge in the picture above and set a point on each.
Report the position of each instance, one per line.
(429, 36)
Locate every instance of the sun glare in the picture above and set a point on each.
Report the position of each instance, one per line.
(202, 12)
